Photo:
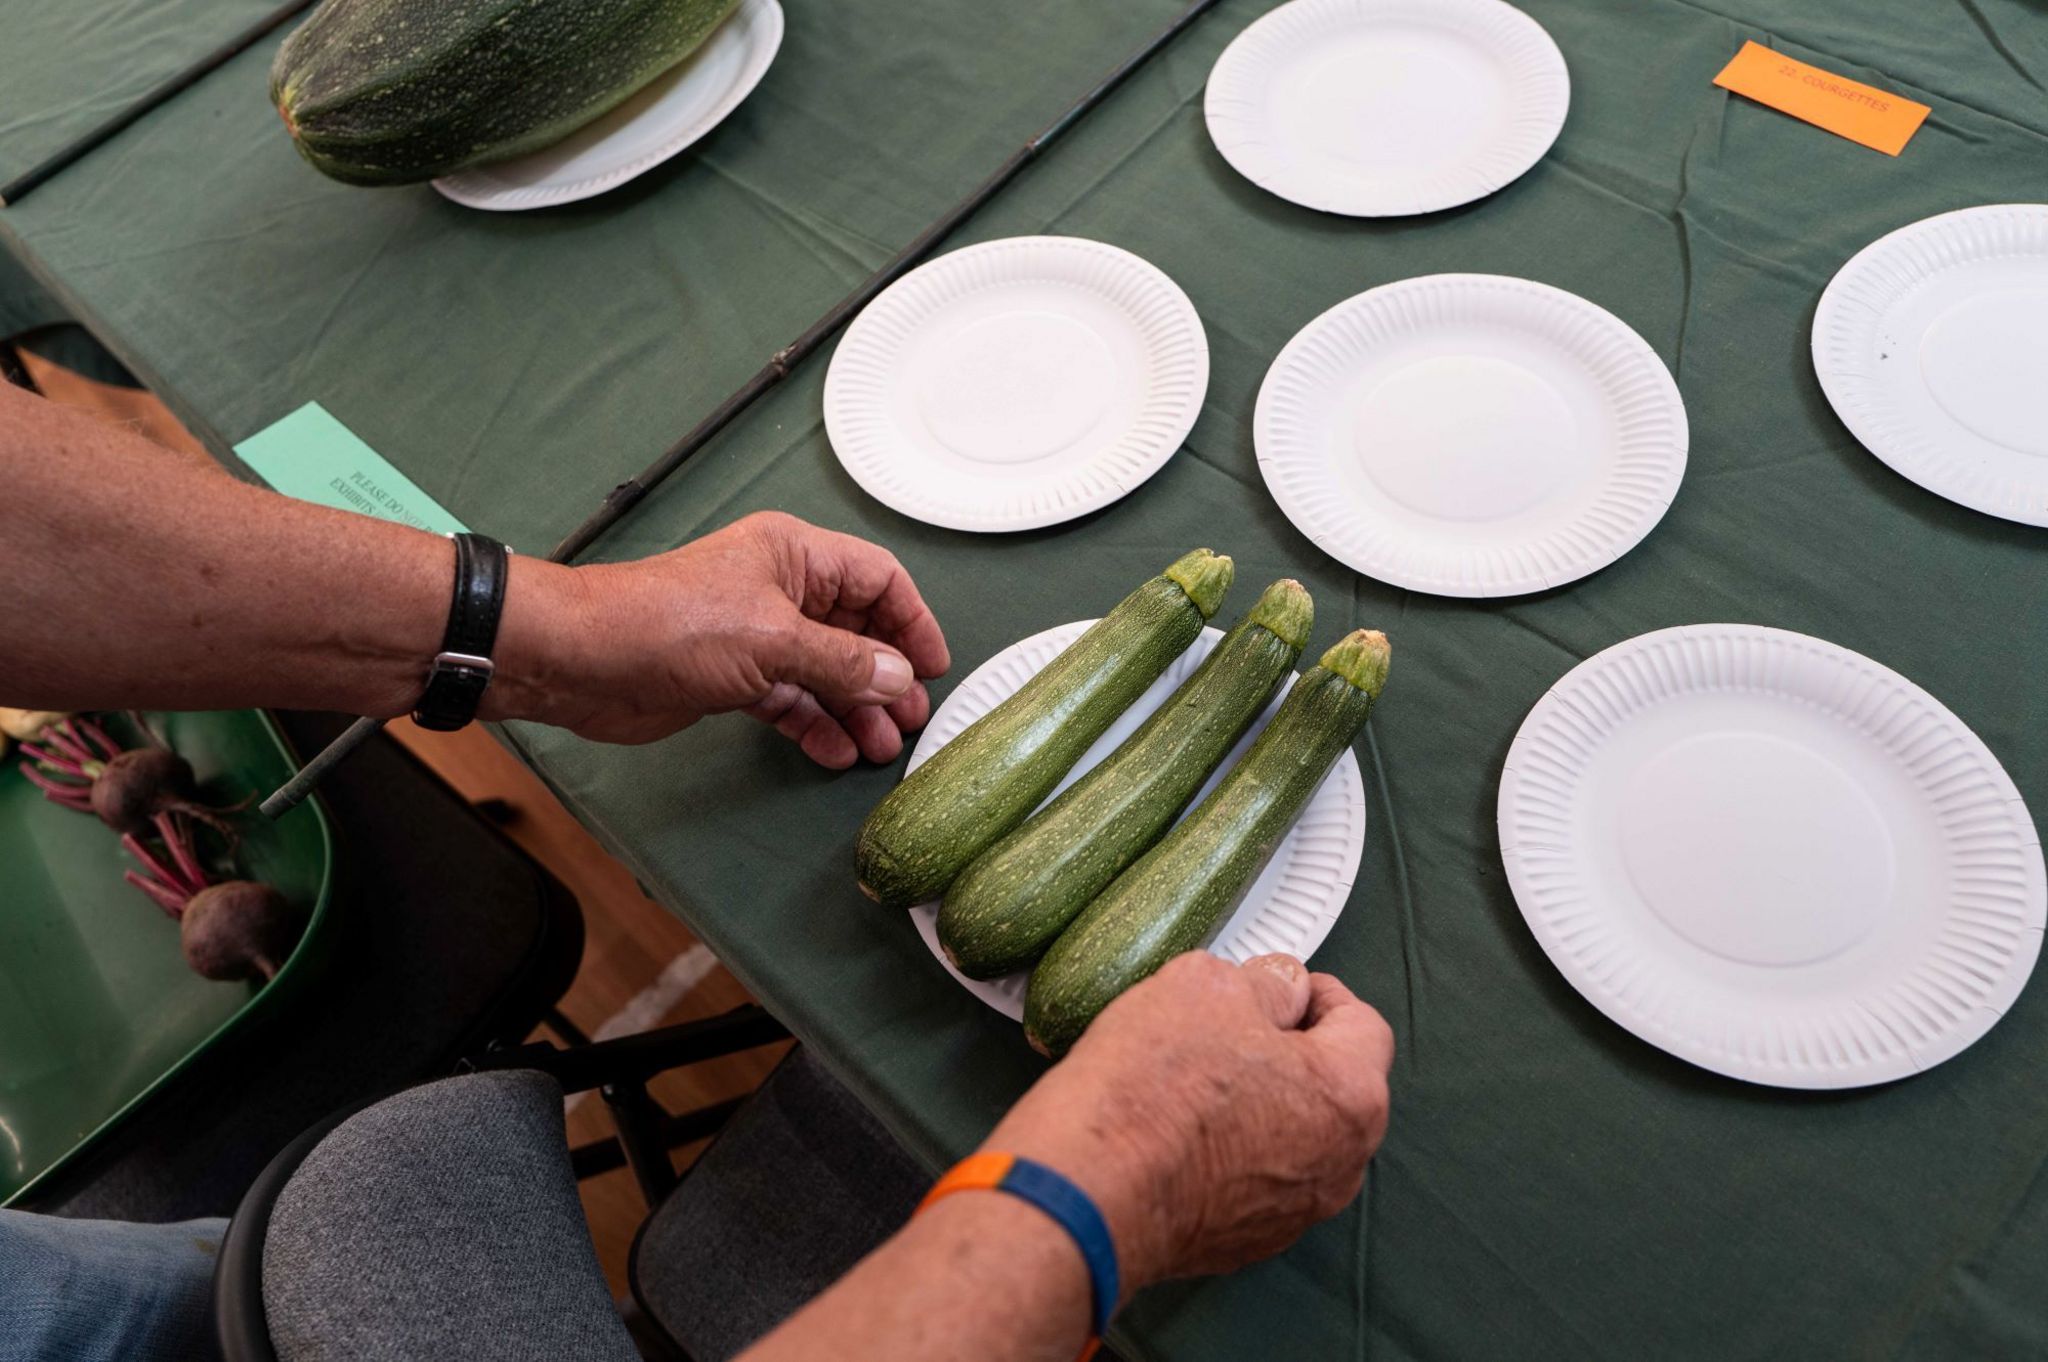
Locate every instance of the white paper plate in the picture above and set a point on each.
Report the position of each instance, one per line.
(1932, 344)
(1379, 107)
(675, 109)
(1471, 435)
(1771, 856)
(1296, 899)
(1016, 383)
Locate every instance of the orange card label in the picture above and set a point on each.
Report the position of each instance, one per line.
(1862, 113)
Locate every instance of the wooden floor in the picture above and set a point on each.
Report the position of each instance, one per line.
(641, 967)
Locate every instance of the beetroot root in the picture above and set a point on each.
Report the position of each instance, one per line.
(239, 930)
(134, 787)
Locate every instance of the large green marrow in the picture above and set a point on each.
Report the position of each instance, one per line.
(1007, 907)
(1176, 894)
(990, 778)
(392, 91)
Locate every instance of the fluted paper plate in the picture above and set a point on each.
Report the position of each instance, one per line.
(1374, 108)
(1932, 346)
(1471, 435)
(1296, 899)
(1772, 856)
(1017, 383)
(674, 111)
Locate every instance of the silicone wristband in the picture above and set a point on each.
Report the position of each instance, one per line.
(1068, 1205)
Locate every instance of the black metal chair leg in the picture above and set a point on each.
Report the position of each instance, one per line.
(688, 1127)
(635, 1059)
(566, 1029)
(643, 1123)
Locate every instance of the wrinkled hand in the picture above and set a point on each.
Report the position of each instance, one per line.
(1214, 1111)
(820, 634)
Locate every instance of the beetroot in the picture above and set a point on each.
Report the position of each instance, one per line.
(238, 929)
(79, 766)
(136, 785)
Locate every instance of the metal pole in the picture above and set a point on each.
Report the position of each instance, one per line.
(631, 492)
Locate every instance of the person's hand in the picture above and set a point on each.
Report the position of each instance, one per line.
(820, 634)
(1214, 1111)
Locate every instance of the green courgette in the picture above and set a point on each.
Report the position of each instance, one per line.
(1007, 907)
(1177, 893)
(990, 778)
(392, 91)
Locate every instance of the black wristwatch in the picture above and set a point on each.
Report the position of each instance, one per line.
(462, 669)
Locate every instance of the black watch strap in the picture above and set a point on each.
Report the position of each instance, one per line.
(462, 669)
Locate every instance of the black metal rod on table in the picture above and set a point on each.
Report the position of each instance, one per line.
(12, 192)
(631, 492)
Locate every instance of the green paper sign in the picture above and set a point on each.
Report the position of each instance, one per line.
(312, 456)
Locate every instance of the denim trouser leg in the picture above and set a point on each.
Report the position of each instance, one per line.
(101, 1290)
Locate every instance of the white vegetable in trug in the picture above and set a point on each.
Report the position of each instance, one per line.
(28, 723)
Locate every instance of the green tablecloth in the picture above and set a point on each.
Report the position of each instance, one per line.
(1552, 1187)
(66, 68)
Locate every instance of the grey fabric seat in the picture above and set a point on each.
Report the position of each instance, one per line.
(440, 1225)
(798, 1187)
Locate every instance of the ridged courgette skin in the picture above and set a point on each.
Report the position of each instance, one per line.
(1176, 894)
(394, 91)
(989, 779)
(1007, 907)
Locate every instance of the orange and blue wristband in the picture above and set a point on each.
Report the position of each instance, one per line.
(1067, 1204)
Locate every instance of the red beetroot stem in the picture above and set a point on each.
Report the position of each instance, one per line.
(166, 899)
(156, 867)
(97, 736)
(60, 737)
(67, 793)
(177, 837)
(53, 760)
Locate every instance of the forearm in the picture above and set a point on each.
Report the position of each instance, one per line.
(978, 1275)
(1211, 1113)
(989, 1276)
(137, 578)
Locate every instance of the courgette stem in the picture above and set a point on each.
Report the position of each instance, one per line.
(1172, 898)
(1360, 657)
(1010, 903)
(1205, 576)
(1287, 610)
